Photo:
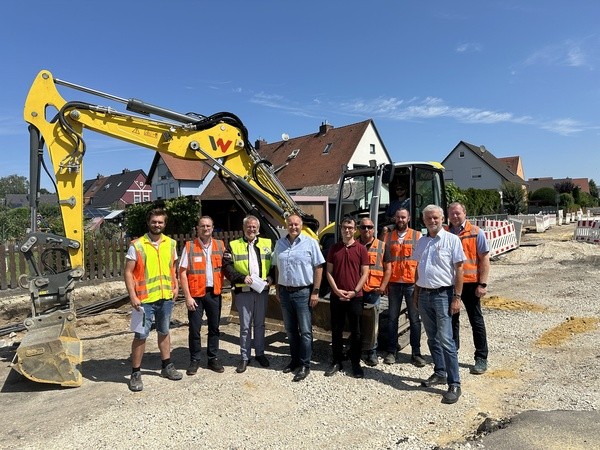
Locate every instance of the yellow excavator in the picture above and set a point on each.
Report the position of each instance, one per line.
(51, 352)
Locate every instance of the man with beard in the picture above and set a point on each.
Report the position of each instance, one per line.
(152, 286)
(401, 243)
(438, 287)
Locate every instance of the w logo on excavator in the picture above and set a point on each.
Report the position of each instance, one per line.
(219, 144)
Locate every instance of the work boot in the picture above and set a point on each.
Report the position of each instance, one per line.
(193, 368)
(451, 395)
(434, 380)
(372, 360)
(479, 367)
(215, 365)
(390, 358)
(135, 382)
(418, 361)
(171, 373)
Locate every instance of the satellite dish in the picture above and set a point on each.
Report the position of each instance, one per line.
(285, 137)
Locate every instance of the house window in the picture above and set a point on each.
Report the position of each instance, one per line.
(461, 154)
(476, 172)
(372, 149)
(172, 190)
(327, 148)
(136, 197)
(146, 196)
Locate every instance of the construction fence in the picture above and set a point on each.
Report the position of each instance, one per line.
(103, 259)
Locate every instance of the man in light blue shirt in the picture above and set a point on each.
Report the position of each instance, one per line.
(299, 263)
(438, 288)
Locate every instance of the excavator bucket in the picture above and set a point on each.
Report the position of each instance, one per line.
(51, 352)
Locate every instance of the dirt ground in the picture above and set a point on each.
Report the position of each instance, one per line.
(524, 284)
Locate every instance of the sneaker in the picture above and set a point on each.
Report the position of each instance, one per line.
(215, 365)
(193, 367)
(372, 360)
(135, 382)
(390, 358)
(357, 371)
(433, 380)
(171, 373)
(418, 361)
(262, 360)
(451, 395)
(479, 367)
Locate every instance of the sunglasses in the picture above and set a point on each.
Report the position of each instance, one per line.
(366, 227)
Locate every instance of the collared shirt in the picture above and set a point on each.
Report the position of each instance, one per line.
(253, 265)
(437, 257)
(207, 249)
(482, 243)
(296, 260)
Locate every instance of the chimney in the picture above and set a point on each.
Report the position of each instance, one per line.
(125, 171)
(259, 142)
(325, 127)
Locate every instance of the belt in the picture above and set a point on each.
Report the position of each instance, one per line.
(435, 290)
(294, 288)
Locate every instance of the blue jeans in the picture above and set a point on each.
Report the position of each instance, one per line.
(397, 292)
(434, 307)
(297, 317)
(160, 313)
(372, 298)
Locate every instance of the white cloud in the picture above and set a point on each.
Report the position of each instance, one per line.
(570, 53)
(469, 47)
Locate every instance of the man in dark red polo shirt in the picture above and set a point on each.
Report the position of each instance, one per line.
(347, 272)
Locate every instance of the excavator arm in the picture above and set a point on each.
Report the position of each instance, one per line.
(51, 351)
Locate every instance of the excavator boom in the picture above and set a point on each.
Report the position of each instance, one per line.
(51, 351)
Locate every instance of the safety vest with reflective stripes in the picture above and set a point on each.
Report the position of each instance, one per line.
(468, 237)
(196, 270)
(404, 264)
(154, 272)
(376, 251)
(239, 250)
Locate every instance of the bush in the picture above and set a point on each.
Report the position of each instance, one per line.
(544, 197)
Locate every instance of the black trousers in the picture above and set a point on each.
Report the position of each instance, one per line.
(211, 304)
(473, 307)
(340, 310)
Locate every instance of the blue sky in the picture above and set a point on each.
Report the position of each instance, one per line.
(520, 77)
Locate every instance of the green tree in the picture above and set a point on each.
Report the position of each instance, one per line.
(182, 212)
(564, 186)
(13, 184)
(513, 197)
(454, 194)
(14, 224)
(593, 188)
(544, 197)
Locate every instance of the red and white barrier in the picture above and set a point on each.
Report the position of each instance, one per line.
(502, 239)
(588, 231)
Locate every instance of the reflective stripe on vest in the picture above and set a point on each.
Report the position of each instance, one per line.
(468, 237)
(239, 250)
(376, 251)
(196, 271)
(154, 272)
(404, 264)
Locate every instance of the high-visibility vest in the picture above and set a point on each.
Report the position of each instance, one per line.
(404, 264)
(376, 251)
(196, 270)
(239, 250)
(154, 272)
(468, 237)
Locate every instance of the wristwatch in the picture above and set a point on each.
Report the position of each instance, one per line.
(355, 292)
(315, 291)
(483, 285)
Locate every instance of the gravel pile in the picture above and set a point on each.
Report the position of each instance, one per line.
(532, 290)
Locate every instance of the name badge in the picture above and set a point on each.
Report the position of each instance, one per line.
(197, 259)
